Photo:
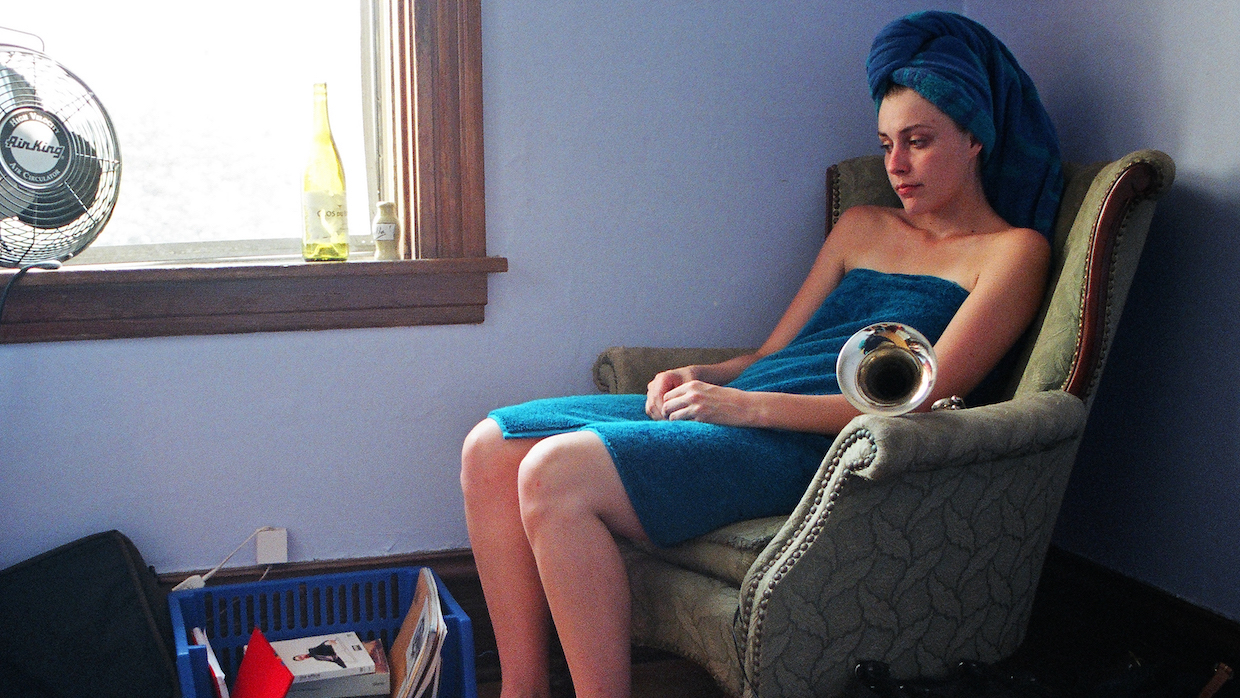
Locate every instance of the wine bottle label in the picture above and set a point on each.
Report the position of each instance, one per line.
(326, 216)
(385, 231)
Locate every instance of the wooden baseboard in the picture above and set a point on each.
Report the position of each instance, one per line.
(448, 564)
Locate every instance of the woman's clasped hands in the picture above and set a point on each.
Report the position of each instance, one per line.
(680, 395)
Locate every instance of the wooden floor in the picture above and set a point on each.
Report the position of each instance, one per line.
(1092, 633)
(667, 677)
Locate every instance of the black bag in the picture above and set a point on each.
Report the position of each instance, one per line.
(85, 619)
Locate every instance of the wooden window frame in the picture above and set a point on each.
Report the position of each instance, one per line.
(441, 198)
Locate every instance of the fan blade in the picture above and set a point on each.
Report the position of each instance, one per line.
(63, 204)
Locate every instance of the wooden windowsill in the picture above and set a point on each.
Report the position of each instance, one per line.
(75, 303)
(436, 63)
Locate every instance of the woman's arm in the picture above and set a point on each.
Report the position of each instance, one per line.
(1008, 293)
(705, 402)
(667, 381)
(823, 277)
(1005, 298)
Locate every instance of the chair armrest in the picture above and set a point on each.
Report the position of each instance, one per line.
(875, 448)
(629, 369)
(963, 503)
(884, 446)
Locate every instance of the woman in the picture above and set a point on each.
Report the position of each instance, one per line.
(547, 484)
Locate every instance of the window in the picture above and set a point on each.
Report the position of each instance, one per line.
(437, 182)
(213, 118)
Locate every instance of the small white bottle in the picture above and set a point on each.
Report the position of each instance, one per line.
(386, 231)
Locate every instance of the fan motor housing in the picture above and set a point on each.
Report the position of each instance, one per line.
(33, 147)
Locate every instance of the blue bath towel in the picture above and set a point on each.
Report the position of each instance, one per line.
(687, 478)
(961, 68)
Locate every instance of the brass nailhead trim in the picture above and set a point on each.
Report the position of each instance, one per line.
(759, 617)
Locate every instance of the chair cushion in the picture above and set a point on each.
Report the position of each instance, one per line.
(726, 553)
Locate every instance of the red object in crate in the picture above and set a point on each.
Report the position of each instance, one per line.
(261, 674)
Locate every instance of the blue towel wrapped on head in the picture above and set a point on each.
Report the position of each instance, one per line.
(961, 68)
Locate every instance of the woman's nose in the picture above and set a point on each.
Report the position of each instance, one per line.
(897, 160)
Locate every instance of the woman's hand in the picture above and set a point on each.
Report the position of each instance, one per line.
(706, 402)
(661, 384)
(695, 392)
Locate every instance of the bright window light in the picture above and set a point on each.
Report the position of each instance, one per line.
(211, 103)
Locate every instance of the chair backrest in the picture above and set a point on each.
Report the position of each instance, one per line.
(1100, 230)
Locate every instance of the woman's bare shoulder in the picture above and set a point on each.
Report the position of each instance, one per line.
(1019, 244)
(865, 223)
(1015, 258)
(865, 213)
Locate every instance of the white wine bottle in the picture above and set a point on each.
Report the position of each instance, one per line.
(326, 233)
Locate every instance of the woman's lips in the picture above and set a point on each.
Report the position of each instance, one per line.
(906, 189)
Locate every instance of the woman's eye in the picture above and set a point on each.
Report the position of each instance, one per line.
(886, 147)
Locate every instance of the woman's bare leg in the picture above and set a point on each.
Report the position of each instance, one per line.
(572, 500)
(506, 567)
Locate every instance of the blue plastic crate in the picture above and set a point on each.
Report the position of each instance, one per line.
(373, 604)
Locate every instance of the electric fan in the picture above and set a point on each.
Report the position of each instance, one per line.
(60, 165)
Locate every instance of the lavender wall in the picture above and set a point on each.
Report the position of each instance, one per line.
(1153, 494)
(654, 176)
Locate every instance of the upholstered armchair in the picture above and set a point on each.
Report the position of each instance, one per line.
(921, 539)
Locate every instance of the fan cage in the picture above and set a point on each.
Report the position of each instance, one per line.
(57, 219)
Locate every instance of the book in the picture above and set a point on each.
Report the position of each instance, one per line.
(377, 683)
(324, 656)
(415, 652)
(213, 664)
(261, 673)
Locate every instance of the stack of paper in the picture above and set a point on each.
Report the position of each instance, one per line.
(415, 653)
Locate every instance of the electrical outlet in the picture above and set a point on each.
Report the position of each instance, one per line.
(271, 546)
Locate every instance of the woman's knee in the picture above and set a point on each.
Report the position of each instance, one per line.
(482, 459)
(556, 476)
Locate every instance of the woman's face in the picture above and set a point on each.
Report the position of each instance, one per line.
(929, 160)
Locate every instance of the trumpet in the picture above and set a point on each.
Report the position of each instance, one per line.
(886, 368)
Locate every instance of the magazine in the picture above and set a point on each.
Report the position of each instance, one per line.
(324, 657)
(429, 687)
(373, 684)
(415, 653)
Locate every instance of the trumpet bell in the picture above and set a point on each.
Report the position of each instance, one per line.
(886, 368)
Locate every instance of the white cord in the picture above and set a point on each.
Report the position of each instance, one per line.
(198, 581)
